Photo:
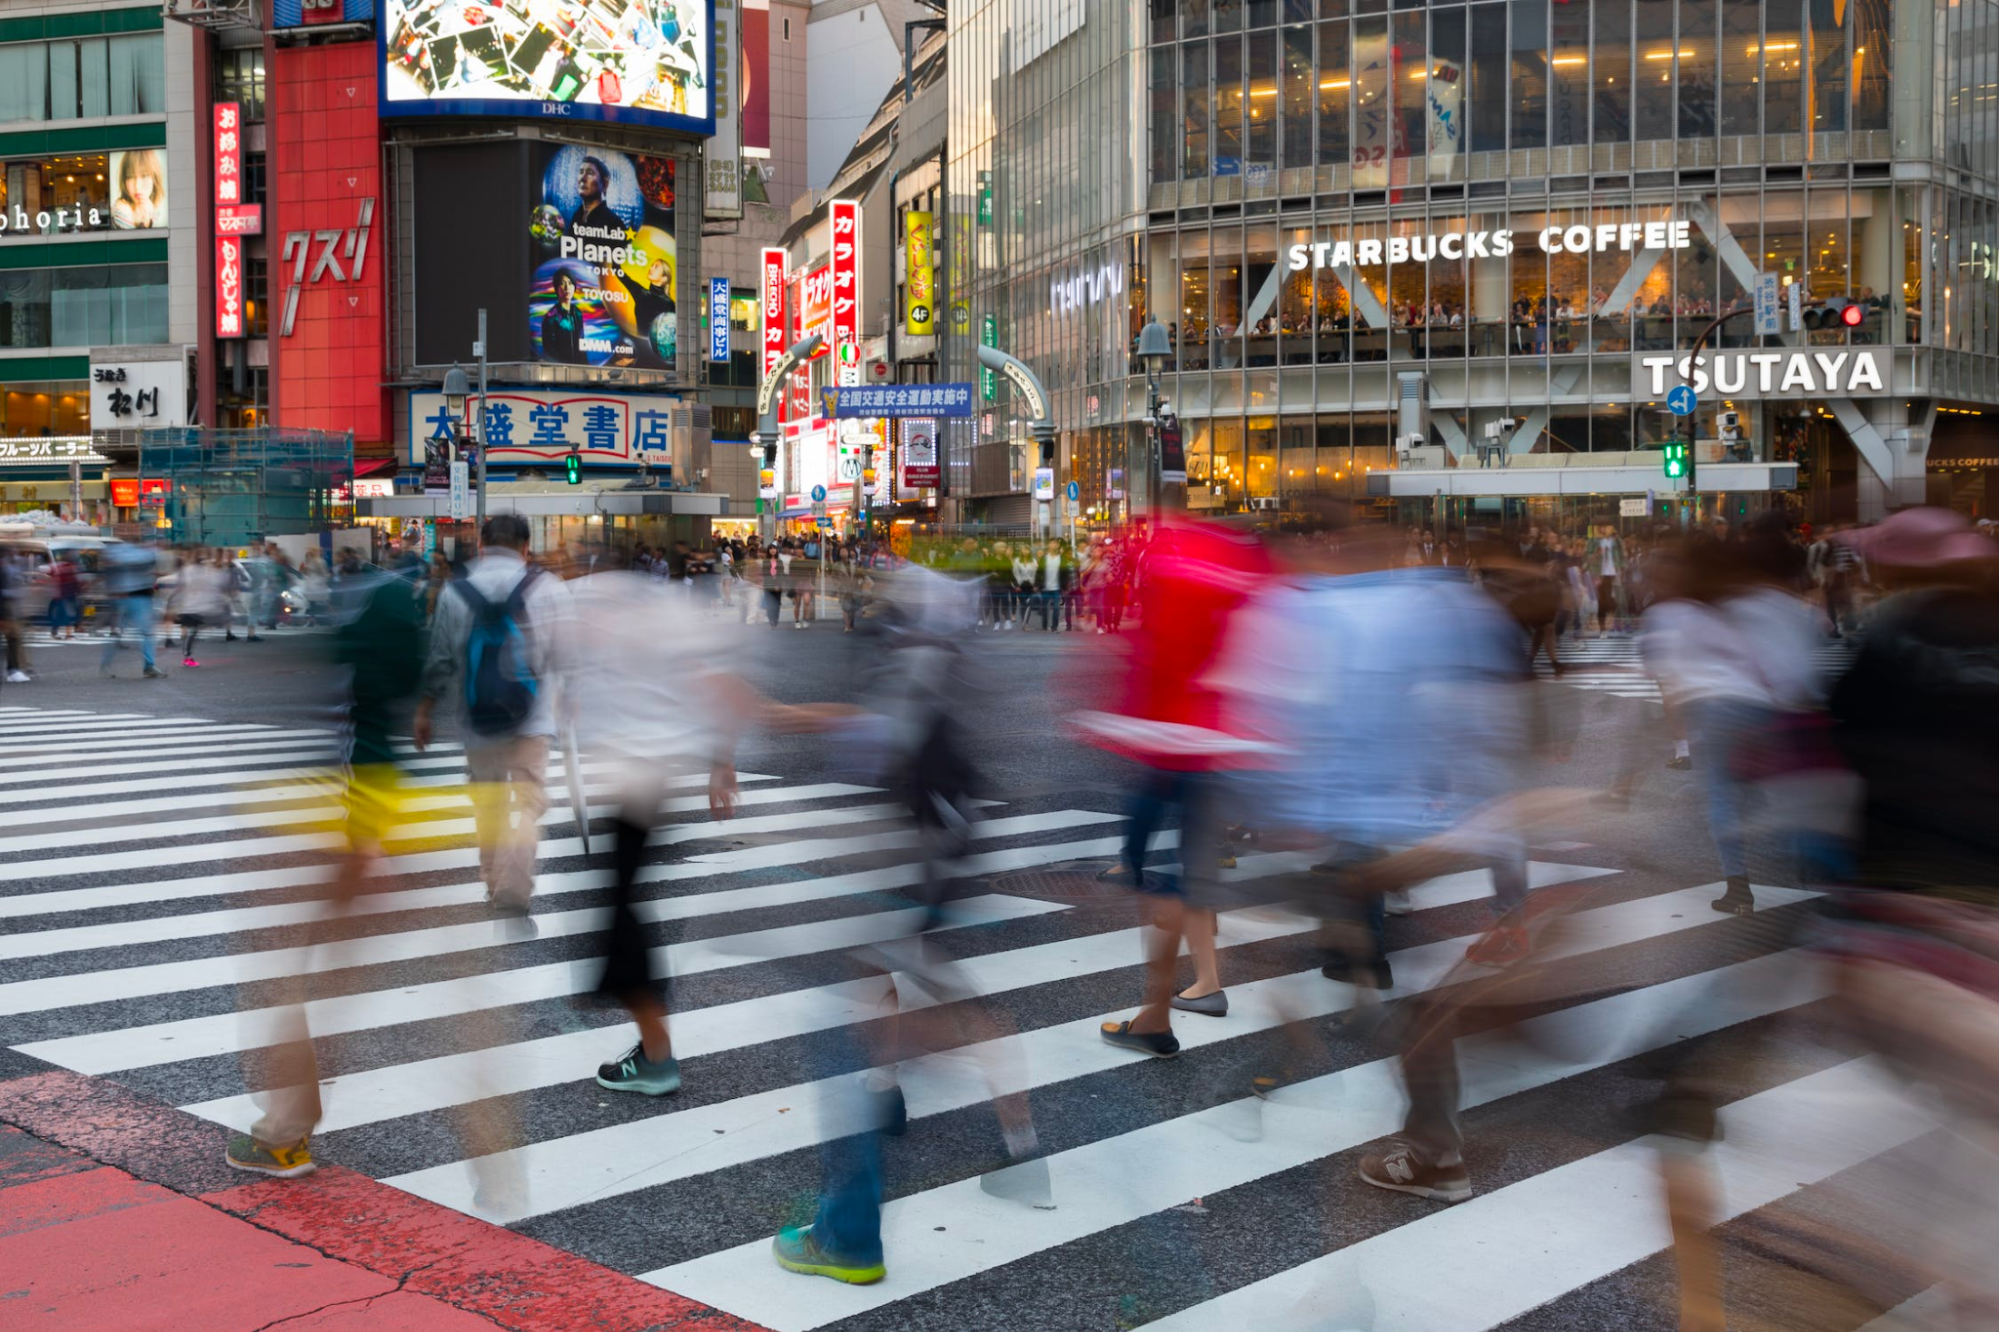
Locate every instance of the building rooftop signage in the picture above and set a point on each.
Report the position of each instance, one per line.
(1496, 244)
(1835, 372)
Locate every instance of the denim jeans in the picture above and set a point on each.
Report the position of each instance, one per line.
(134, 612)
(1717, 727)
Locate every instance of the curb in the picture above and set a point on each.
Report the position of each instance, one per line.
(425, 1250)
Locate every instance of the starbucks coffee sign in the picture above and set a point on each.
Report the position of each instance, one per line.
(1421, 248)
(1804, 373)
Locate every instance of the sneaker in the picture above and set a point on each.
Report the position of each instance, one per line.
(1396, 902)
(1407, 1169)
(796, 1251)
(1498, 947)
(1024, 1181)
(17, 677)
(1680, 761)
(632, 1072)
(154, 673)
(189, 662)
(246, 1154)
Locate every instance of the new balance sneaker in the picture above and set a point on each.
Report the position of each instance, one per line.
(1407, 1169)
(246, 1154)
(632, 1072)
(796, 1251)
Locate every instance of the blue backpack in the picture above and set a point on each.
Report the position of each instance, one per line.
(500, 684)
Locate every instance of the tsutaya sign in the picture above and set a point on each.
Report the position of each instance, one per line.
(1496, 244)
(1841, 372)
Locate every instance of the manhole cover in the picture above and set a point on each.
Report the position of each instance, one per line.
(1073, 880)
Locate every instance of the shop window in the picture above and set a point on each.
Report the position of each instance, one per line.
(91, 77)
(1194, 18)
(1296, 468)
(1610, 72)
(1228, 15)
(1262, 283)
(256, 306)
(1908, 292)
(86, 307)
(1295, 316)
(1332, 459)
(1568, 292)
(1226, 477)
(50, 407)
(1530, 313)
(70, 189)
(1163, 12)
(1260, 476)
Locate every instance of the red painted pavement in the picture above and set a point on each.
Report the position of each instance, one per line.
(133, 1222)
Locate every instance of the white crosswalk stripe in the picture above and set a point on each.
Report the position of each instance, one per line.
(1614, 665)
(161, 884)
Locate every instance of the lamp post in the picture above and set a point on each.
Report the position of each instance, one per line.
(1155, 349)
(1693, 501)
(456, 391)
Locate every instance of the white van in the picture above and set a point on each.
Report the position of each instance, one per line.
(39, 545)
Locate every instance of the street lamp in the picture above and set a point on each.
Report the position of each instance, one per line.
(1155, 349)
(456, 390)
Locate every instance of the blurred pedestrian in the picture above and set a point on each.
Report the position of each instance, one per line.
(130, 572)
(493, 652)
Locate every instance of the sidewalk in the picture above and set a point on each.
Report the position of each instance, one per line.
(116, 1213)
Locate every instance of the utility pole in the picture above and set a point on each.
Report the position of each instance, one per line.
(480, 427)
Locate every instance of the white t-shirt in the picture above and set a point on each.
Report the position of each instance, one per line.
(1051, 578)
(1760, 647)
(1608, 567)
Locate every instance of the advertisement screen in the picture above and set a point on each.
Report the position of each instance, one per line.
(605, 286)
(138, 189)
(642, 62)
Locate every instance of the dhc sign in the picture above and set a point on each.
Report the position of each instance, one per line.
(1836, 373)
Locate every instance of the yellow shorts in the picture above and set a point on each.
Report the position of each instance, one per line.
(374, 803)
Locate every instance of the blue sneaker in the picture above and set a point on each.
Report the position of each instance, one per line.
(632, 1072)
(796, 1250)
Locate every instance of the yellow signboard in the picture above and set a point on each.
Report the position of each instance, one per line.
(920, 285)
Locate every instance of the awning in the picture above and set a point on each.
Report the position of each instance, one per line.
(368, 467)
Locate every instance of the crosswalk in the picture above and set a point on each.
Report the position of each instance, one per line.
(1613, 665)
(38, 635)
(159, 877)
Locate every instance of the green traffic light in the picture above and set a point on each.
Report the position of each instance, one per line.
(574, 467)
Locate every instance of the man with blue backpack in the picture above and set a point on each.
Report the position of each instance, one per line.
(493, 650)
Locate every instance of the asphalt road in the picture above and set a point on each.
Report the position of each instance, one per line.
(146, 905)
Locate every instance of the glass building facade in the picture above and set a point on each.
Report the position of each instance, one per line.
(1320, 190)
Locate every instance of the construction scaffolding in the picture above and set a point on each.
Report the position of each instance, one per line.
(233, 487)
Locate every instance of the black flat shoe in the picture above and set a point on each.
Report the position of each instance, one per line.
(1162, 1044)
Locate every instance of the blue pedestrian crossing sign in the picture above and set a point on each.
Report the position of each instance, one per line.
(818, 495)
(1681, 400)
(1075, 492)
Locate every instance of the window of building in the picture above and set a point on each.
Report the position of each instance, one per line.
(1610, 71)
(1783, 65)
(1165, 117)
(1335, 92)
(239, 77)
(1741, 29)
(1652, 95)
(90, 77)
(1697, 66)
(1194, 98)
(68, 190)
(83, 307)
(1486, 123)
(48, 407)
(1228, 106)
(1298, 93)
(1530, 73)
(1263, 101)
(1568, 75)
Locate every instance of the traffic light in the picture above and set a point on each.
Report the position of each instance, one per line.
(1837, 313)
(572, 467)
(1676, 460)
(868, 477)
(770, 453)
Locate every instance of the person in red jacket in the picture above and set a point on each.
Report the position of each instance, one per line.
(1193, 577)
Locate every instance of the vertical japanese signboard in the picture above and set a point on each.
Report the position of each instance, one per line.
(773, 308)
(988, 337)
(723, 152)
(228, 194)
(845, 215)
(919, 250)
(718, 319)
